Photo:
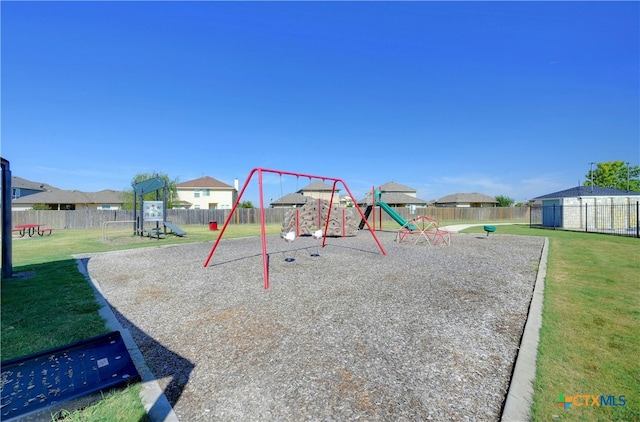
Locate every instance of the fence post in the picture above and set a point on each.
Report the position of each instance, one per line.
(586, 219)
(637, 221)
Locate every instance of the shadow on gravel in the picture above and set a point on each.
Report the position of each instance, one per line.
(163, 362)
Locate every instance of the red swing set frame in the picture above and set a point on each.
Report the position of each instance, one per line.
(265, 261)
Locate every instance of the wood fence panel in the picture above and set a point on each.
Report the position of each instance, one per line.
(79, 219)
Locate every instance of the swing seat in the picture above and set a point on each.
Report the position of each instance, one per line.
(289, 238)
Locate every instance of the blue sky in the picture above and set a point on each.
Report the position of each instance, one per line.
(501, 98)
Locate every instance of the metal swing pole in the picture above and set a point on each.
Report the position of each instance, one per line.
(263, 232)
(226, 223)
(265, 257)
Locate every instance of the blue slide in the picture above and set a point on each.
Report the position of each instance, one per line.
(395, 215)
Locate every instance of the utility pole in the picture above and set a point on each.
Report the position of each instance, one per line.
(591, 175)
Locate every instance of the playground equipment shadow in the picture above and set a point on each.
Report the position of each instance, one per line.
(421, 333)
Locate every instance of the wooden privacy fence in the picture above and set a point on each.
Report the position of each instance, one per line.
(84, 219)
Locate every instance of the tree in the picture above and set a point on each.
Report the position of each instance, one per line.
(172, 191)
(246, 204)
(504, 201)
(614, 174)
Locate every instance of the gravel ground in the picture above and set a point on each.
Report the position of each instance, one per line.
(423, 333)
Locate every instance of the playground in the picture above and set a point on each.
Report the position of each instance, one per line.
(343, 332)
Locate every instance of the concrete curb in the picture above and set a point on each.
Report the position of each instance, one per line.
(520, 396)
(153, 399)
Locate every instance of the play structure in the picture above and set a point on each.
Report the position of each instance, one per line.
(147, 211)
(316, 213)
(489, 229)
(326, 221)
(376, 195)
(423, 229)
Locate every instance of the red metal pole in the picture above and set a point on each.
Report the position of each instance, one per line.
(373, 206)
(226, 223)
(326, 226)
(319, 208)
(265, 261)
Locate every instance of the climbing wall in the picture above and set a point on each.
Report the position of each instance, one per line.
(313, 216)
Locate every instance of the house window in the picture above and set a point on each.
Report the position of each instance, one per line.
(105, 207)
(206, 192)
(196, 193)
(197, 207)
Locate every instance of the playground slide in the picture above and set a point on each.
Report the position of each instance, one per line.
(178, 231)
(394, 215)
(367, 213)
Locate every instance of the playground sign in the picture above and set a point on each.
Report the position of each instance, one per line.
(153, 210)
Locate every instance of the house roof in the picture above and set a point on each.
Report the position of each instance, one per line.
(395, 198)
(292, 199)
(396, 187)
(588, 191)
(206, 182)
(458, 198)
(20, 183)
(318, 186)
(401, 198)
(106, 196)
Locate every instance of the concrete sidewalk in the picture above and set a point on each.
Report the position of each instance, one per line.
(456, 228)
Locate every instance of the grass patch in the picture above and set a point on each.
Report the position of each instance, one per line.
(115, 406)
(590, 333)
(50, 306)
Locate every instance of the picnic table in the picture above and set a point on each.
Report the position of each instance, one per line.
(31, 229)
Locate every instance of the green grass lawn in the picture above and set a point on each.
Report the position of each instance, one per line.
(589, 339)
(590, 335)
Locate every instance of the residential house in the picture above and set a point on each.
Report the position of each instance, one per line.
(589, 207)
(23, 187)
(314, 190)
(467, 200)
(59, 199)
(206, 193)
(396, 195)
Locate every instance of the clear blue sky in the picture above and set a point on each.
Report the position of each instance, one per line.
(501, 98)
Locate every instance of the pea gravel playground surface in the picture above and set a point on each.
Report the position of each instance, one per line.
(423, 333)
